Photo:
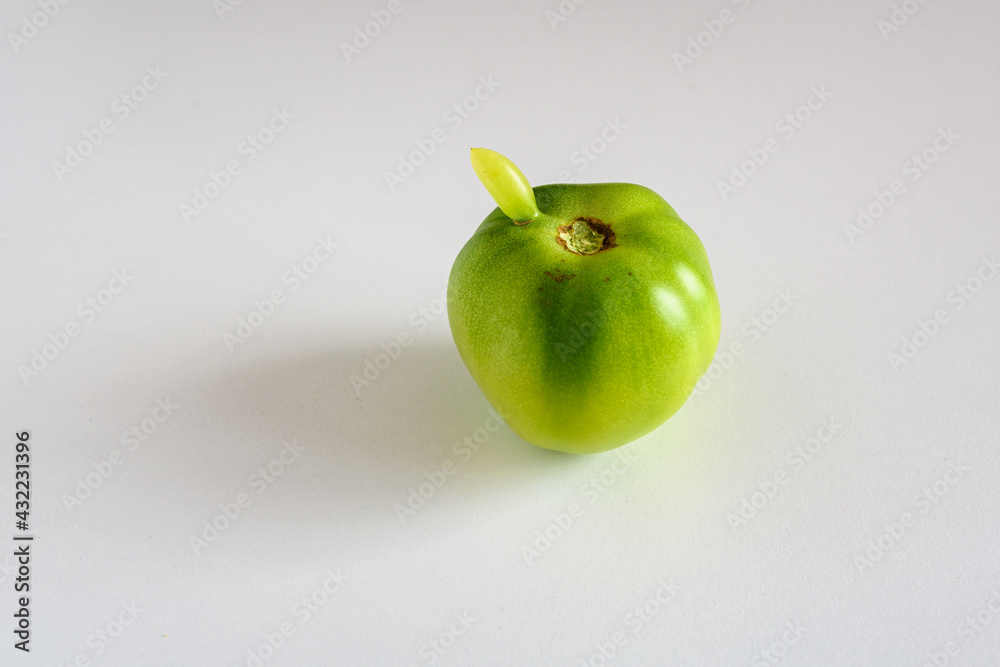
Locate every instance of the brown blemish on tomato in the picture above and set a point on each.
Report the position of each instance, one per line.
(559, 276)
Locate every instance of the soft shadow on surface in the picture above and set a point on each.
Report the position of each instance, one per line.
(365, 452)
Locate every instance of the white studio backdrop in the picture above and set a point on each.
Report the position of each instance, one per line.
(217, 215)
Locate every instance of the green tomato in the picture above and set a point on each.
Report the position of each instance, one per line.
(585, 313)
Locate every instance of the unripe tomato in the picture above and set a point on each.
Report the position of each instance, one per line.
(585, 313)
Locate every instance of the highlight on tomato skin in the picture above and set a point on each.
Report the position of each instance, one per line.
(585, 313)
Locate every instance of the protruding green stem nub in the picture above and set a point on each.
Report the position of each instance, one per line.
(506, 184)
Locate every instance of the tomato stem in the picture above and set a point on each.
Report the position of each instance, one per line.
(506, 184)
(586, 236)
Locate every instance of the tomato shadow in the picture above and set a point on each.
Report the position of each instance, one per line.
(370, 439)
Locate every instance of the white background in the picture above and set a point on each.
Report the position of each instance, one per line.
(914, 465)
